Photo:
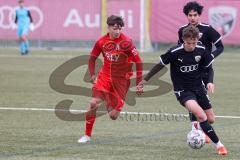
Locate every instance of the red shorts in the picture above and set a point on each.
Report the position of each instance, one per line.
(113, 91)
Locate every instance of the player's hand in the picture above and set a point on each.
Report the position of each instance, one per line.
(210, 87)
(31, 27)
(139, 88)
(93, 79)
(14, 26)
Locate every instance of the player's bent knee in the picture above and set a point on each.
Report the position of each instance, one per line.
(93, 105)
(211, 120)
(201, 117)
(210, 116)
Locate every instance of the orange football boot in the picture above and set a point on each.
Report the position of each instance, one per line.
(222, 150)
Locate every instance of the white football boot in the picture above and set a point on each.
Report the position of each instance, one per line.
(84, 139)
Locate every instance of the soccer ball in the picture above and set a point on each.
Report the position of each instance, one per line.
(196, 139)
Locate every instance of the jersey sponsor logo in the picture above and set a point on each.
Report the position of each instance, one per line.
(189, 68)
(112, 57)
(198, 58)
(223, 19)
(7, 16)
(200, 35)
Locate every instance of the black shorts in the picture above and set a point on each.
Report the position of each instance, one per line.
(200, 95)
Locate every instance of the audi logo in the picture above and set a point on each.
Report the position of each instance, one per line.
(7, 15)
(189, 68)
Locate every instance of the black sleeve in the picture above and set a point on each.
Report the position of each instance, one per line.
(214, 36)
(219, 49)
(153, 71)
(210, 72)
(166, 58)
(180, 41)
(16, 18)
(30, 16)
(206, 65)
(208, 59)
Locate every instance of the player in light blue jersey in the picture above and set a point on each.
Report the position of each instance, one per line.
(24, 22)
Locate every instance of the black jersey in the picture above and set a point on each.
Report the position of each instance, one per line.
(208, 35)
(186, 67)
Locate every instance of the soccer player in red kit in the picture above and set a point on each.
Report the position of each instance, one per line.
(113, 80)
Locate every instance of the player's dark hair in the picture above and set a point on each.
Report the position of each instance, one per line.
(21, 1)
(192, 6)
(190, 32)
(112, 20)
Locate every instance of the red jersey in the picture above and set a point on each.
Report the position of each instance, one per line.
(119, 55)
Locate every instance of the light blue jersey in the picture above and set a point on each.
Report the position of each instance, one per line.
(23, 19)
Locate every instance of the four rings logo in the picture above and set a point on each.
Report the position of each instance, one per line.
(189, 68)
(7, 16)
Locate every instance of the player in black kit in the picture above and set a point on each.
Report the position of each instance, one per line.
(209, 37)
(187, 62)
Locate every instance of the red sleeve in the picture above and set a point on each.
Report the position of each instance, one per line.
(94, 54)
(139, 66)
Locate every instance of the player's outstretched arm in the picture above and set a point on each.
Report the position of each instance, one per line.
(150, 74)
(153, 71)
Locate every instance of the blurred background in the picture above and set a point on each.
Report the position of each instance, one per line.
(78, 23)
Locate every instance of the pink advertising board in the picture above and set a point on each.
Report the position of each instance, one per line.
(57, 19)
(81, 19)
(167, 16)
(130, 11)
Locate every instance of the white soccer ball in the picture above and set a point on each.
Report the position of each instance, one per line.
(196, 139)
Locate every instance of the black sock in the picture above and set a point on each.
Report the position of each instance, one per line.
(192, 117)
(208, 130)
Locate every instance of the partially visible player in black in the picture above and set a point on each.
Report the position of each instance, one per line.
(187, 62)
(209, 37)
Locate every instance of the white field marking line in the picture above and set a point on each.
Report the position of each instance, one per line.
(129, 113)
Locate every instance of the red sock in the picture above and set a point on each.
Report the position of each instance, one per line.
(90, 119)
